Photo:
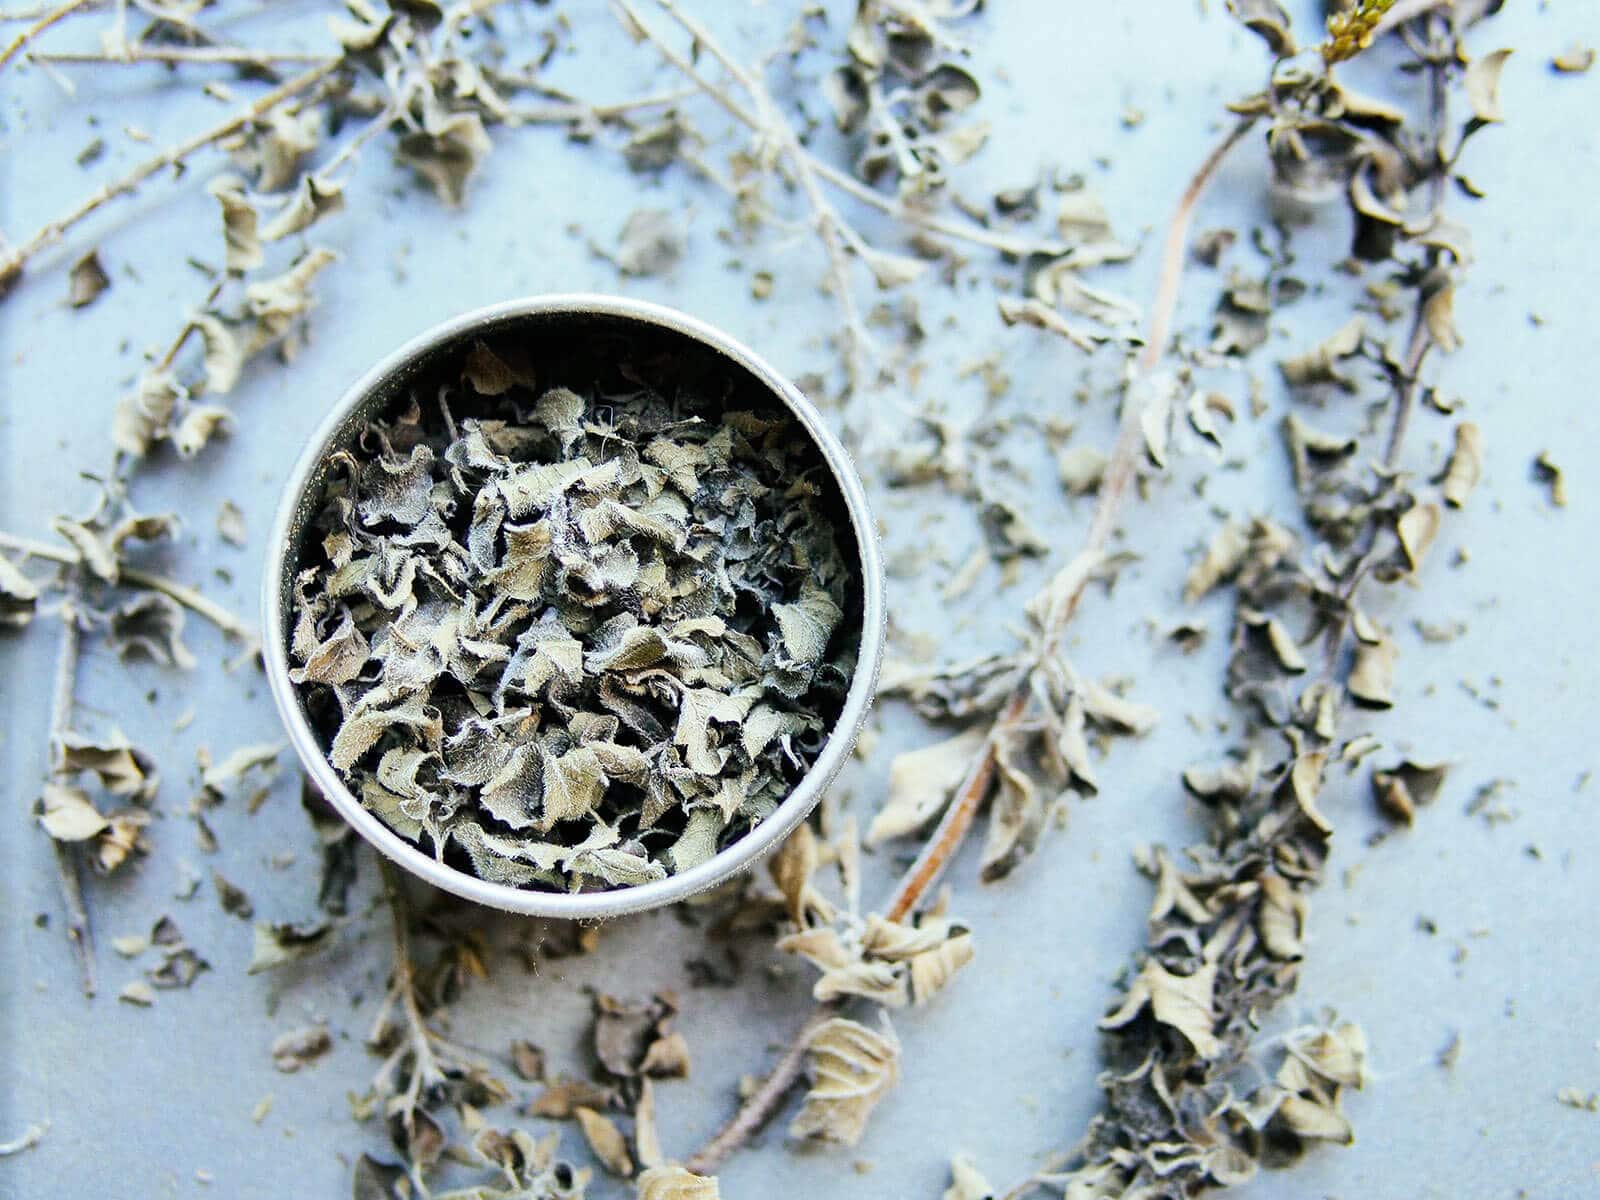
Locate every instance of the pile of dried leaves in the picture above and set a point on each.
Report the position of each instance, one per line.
(588, 639)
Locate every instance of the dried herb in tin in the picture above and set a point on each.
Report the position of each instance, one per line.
(576, 638)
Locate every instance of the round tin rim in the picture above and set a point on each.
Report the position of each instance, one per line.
(742, 854)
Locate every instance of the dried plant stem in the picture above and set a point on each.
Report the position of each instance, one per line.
(951, 831)
(569, 111)
(44, 22)
(1421, 339)
(958, 816)
(838, 239)
(61, 706)
(189, 326)
(12, 264)
(425, 1070)
(960, 231)
(764, 1102)
(30, 13)
(347, 152)
(1407, 373)
(148, 581)
(200, 605)
(134, 55)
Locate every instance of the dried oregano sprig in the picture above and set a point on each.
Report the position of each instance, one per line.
(1226, 928)
(585, 638)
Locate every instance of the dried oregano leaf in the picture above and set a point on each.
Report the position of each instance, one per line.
(277, 943)
(1576, 59)
(1549, 473)
(966, 1181)
(316, 198)
(1081, 468)
(120, 767)
(68, 815)
(446, 152)
(19, 595)
(1371, 681)
(1482, 84)
(242, 244)
(86, 280)
(650, 244)
(1462, 472)
(1322, 363)
(672, 1182)
(1403, 788)
(1182, 1001)
(150, 625)
(573, 639)
(606, 1140)
(920, 783)
(1268, 20)
(299, 1048)
(853, 1068)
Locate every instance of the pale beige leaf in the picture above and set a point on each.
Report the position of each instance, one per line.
(1482, 83)
(853, 1068)
(1461, 474)
(920, 783)
(672, 1182)
(68, 815)
(1182, 1001)
(606, 1140)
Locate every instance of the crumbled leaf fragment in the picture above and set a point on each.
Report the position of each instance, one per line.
(277, 943)
(86, 280)
(300, 1048)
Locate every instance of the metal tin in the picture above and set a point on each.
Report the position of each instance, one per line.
(375, 389)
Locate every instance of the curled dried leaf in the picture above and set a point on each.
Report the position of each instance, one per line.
(1183, 1002)
(1371, 681)
(300, 1048)
(241, 241)
(606, 1140)
(672, 1182)
(650, 244)
(1400, 790)
(852, 1068)
(1323, 362)
(1462, 472)
(1482, 85)
(19, 596)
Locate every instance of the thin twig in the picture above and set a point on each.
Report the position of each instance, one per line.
(61, 707)
(1421, 339)
(568, 112)
(767, 122)
(52, 232)
(977, 235)
(148, 581)
(764, 1102)
(39, 26)
(135, 55)
(951, 831)
(1407, 375)
(200, 605)
(31, 13)
(385, 118)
